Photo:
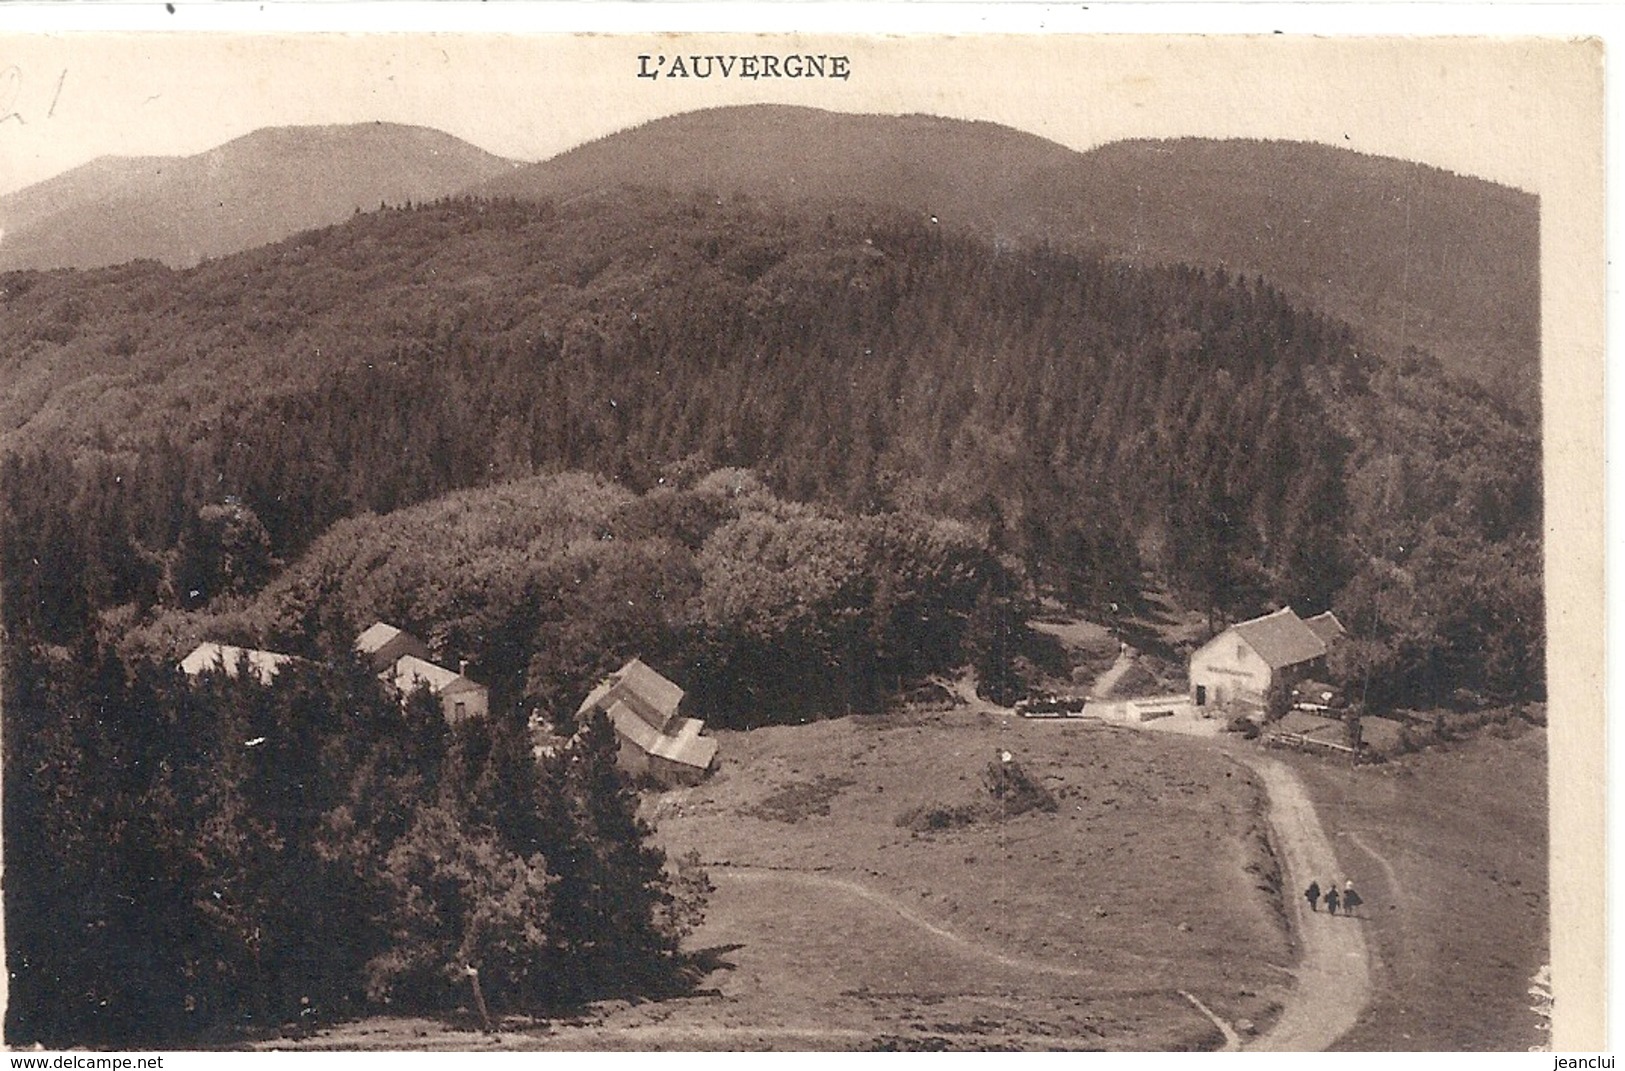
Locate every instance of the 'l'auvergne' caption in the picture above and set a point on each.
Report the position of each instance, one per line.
(793, 65)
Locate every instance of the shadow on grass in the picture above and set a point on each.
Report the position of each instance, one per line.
(699, 965)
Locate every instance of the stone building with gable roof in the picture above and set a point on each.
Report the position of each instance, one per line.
(1242, 663)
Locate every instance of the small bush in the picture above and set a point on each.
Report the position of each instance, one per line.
(1510, 729)
(931, 696)
(1241, 723)
(1139, 680)
(1016, 791)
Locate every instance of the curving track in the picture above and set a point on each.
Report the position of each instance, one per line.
(1334, 968)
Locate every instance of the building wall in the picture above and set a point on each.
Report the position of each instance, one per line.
(636, 762)
(672, 773)
(466, 703)
(1227, 670)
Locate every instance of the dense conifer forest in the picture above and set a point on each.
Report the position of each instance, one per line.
(808, 458)
(235, 854)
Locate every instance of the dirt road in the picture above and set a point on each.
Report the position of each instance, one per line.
(1334, 970)
(1108, 680)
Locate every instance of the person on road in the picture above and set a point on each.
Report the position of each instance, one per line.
(1312, 894)
(1351, 899)
(1331, 900)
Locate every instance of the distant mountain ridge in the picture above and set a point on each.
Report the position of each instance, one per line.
(949, 167)
(1410, 255)
(251, 191)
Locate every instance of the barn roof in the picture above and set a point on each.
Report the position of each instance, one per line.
(634, 728)
(650, 695)
(595, 697)
(1281, 639)
(1326, 626)
(685, 746)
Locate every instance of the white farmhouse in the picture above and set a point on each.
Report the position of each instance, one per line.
(402, 661)
(1239, 665)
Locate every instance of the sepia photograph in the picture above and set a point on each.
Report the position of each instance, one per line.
(795, 541)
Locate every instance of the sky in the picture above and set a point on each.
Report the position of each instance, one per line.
(1500, 109)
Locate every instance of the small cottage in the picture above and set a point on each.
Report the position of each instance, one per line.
(460, 698)
(655, 739)
(1240, 664)
(403, 661)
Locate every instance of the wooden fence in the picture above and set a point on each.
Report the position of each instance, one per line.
(1299, 740)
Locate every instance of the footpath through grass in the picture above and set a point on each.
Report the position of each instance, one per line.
(1448, 848)
(1072, 929)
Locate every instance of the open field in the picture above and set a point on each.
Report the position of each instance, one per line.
(1091, 920)
(1142, 914)
(1448, 848)
(833, 927)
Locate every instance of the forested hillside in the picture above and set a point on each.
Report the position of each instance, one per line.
(1408, 255)
(804, 460)
(191, 858)
(1090, 417)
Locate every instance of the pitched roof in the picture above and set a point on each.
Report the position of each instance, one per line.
(685, 746)
(375, 637)
(1281, 639)
(1326, 626)
(223, 657)
(408, 670)
(651, 696)
(595, 697)
(654, 690)
(634, 728)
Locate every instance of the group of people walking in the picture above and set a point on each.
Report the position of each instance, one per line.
(1348, 897)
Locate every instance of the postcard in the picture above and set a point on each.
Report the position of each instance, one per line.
(785, 541)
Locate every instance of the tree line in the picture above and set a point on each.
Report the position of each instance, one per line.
(764, 610)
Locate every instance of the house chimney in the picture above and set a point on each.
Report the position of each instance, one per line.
(462, 667)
